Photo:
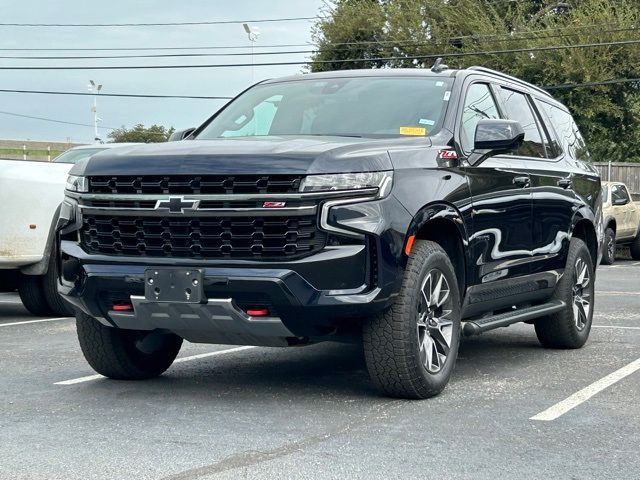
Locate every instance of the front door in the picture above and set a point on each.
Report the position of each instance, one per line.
(500, 236)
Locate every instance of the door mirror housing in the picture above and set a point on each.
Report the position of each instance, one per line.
(181, 134)
(494, 137)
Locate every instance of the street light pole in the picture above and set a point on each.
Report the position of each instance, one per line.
(253, 33)
(95, 89)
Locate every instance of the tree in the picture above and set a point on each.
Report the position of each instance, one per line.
(412, 33)
(141, 134)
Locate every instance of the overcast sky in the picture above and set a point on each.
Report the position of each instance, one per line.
(116, 112)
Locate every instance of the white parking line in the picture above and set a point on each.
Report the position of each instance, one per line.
(14, 302)
(586, 393)
(34, 321)
(615, 326)
(612, 292)
(177, 360)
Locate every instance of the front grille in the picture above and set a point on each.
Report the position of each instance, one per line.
(189, 184)
(269, 237)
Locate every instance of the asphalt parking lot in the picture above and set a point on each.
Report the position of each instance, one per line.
(511, 410)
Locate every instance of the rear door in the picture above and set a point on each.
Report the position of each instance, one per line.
(552, 192)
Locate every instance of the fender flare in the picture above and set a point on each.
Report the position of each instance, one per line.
(608, 220)
(438, 210)
(41, 267)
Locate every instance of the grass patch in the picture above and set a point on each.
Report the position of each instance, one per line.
(29, 152)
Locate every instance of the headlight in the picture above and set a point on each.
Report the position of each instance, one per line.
(77, 184)
(348, 181)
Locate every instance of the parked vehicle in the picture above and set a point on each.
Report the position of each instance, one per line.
(621, 220)
(399, 208)
(30, 197)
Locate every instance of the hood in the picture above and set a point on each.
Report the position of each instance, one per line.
(250, 155)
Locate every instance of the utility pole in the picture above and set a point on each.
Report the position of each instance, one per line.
(253, 33)
(95, 89)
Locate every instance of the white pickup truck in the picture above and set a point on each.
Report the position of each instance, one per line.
(30, 196)
(621, 220)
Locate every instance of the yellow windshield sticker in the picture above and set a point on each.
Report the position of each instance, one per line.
(415, 131)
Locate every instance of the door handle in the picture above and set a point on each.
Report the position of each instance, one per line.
(564, 182)
(522, 181)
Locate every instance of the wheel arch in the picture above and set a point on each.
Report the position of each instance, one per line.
(584, 229)
(610, 222)
(443, 224)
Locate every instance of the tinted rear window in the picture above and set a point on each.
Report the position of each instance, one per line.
(569, 135)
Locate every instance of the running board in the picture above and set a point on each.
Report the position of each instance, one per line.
(476, 327)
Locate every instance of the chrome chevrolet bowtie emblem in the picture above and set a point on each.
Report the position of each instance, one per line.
(177, 204)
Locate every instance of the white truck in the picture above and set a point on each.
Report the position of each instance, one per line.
(30, 197)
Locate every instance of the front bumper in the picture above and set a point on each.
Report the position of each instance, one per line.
(321, 296)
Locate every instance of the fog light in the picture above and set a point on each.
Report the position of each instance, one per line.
(122, 307)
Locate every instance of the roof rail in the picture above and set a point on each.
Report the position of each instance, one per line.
(509, 77)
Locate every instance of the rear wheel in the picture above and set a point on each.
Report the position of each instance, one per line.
(31, 291)
(125, 354)
(570, 327)
(411, 349)
(635, 248)
(609, 254)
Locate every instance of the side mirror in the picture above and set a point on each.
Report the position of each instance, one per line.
(619, 202)
(181, 134)
(495, 137)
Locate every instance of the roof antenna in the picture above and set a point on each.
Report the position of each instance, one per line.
(438, 66)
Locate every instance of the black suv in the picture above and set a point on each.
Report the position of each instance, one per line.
(399, 208)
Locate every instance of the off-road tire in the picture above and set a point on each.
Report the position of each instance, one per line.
(31, 291)
(609, 255)
(560, 330)
(115, 353)
(50, 283)
(391, 339)
(635, 248)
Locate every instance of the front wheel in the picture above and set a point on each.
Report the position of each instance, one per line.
(609, 254)
(635, 248)
(125, 354)
(411, 349)
(570, 327)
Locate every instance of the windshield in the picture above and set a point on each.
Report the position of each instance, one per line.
(355, 106)
(74, 156)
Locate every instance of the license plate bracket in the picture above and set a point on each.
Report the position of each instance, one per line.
(173, 285)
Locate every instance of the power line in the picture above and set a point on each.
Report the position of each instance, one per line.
(125, 95)
(205, 47)
(199, 97)
(504, 37)
(337, 61)
(44, 119)
(158, 55)
(159, 24)
(592, 84)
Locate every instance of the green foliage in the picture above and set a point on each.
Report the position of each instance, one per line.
(140, 133)
(460, 30)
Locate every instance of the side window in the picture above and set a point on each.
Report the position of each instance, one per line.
(625, 193)
(618, 192)
(517, 108)
(572, 142)
(478, 104)
(554, 148)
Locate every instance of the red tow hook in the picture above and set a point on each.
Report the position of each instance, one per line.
(258, 312)
(122, 307)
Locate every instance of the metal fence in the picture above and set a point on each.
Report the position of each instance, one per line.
(628, 173)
